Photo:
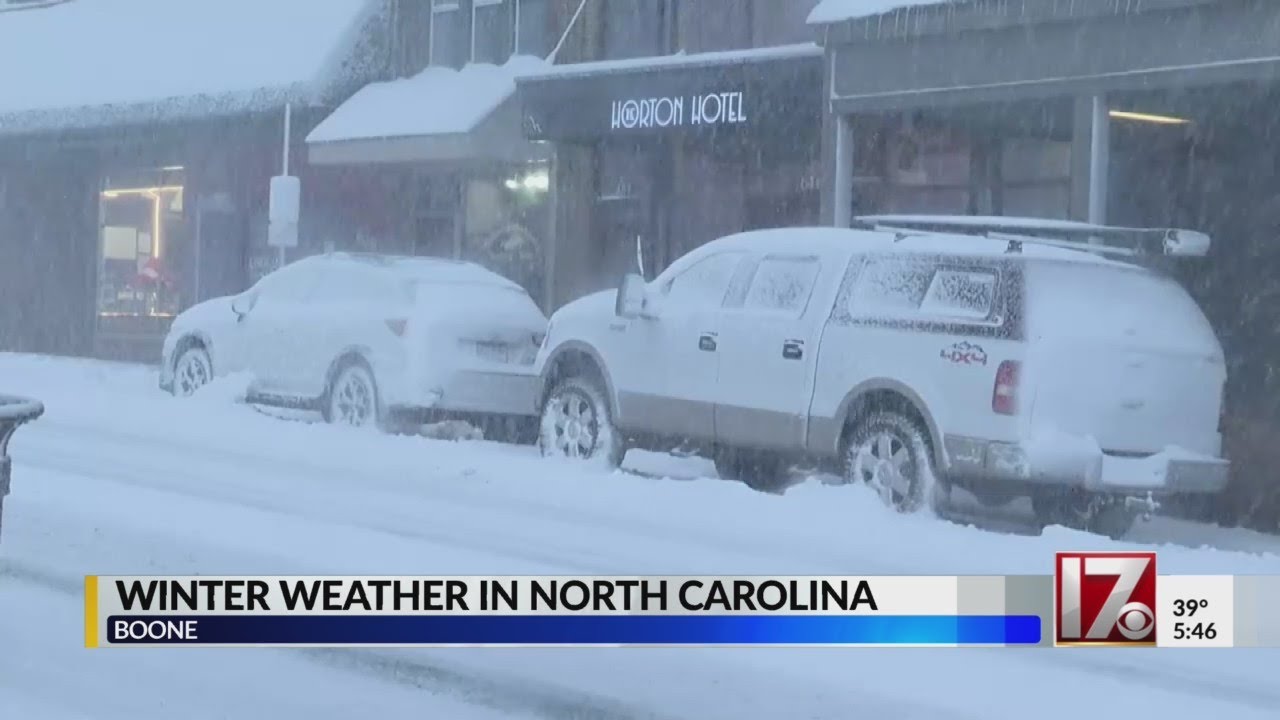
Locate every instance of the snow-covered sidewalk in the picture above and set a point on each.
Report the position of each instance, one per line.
(119, 478)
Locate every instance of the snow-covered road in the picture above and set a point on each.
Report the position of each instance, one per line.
(119, 478)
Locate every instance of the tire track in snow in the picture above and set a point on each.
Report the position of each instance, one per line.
(492, 691)
(392, 525)
(1167, 679)
(756, 545)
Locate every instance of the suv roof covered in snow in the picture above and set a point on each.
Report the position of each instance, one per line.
(421, 269)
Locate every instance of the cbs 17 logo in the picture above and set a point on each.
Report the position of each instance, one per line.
(1105, 598)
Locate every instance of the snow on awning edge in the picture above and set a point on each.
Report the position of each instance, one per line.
(831, 12)
(344, 66)
(675, 61)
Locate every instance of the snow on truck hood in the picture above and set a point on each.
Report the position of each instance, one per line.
(588, 305)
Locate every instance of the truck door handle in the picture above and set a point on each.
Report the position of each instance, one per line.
(707, 342)
(793, 349)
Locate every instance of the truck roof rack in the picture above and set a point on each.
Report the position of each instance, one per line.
(1121, 242)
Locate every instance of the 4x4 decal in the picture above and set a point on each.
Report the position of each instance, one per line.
(965, 353)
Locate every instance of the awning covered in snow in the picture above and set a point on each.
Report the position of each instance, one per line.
(439, 114)
(972, 52)
(722, 92)
(94, 63)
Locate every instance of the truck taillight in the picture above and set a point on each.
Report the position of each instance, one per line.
(1004, 396)
(397, 326)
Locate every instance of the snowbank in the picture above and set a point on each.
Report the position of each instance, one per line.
(436, 101)
(832, 11)
(88, 63)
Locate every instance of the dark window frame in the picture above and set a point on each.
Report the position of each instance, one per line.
(667, 29)
(463, 32)
(507, 14)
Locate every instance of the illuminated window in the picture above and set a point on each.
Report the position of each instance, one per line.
(142, 245)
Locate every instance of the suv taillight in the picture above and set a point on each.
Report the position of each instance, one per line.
(1004, 396)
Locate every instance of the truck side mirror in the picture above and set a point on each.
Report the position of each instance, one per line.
(631, 296)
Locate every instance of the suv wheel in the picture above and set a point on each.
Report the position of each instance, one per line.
(192, 371)
(353, 397)
(576, 424)
(887, 452)
(757, 470)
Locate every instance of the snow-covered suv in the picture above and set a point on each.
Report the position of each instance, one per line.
(1009, 357)
(370, 339)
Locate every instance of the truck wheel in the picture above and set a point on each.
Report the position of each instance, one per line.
(757, 470)
(887, 452)
(576, 424)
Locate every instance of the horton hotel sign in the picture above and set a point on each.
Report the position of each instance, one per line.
(717, 108)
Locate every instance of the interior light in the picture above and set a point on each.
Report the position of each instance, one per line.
(117, 192)
(537, 181)
(156, 226)
(1148, 118)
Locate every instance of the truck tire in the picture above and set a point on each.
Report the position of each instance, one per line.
(576, 424)
(887, 451)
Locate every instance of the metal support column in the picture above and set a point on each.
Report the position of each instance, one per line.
(1099, 159)
(842, 183)
(1090, 159)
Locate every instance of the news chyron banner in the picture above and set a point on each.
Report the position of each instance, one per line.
(1091, 599)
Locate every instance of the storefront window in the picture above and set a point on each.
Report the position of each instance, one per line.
(1036, 177)
(435, 214)
(534, 30)
(507, 214)
(635, 28)
(912, 165)
(142, 246)
(492, 33)
(448, 46)
(929, 169)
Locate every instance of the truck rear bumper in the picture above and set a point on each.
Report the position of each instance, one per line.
(1161, 473)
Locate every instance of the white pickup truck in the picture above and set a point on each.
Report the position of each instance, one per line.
(1009, 357)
